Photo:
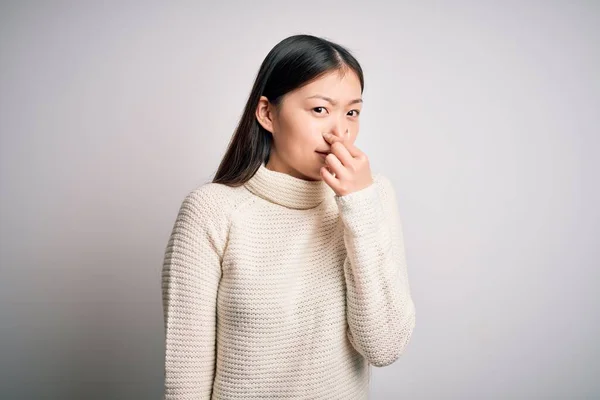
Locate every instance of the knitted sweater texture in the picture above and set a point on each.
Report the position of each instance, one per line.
(280, 289)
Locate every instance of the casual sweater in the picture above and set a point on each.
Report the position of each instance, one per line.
(281, 289)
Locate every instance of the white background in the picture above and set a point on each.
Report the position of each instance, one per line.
(485, 116)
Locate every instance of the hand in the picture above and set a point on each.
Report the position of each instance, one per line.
(349, 164)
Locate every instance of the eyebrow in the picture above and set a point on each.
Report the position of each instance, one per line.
(318, 96)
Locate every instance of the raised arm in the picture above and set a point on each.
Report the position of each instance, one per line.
(380, 309)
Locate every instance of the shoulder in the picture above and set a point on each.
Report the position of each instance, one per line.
(204, 215)
(213, 199)
(210, 194)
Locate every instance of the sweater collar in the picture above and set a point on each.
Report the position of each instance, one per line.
(286, 190)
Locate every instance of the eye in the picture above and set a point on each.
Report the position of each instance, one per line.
(319, 108)
(357, 112)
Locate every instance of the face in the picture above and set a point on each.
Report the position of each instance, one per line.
(331, 103)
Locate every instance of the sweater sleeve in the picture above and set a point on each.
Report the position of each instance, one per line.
(380, 310)
(190, 277)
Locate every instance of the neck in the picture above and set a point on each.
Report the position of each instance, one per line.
(274, 164)
(287, 190)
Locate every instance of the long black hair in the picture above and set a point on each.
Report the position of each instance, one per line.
(292, 63)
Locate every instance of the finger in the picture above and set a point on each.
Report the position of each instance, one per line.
(340, 149)
(335, 165)
(328, 177)
(353, 150)
(329, 169)
(342, 154)
(332, 138)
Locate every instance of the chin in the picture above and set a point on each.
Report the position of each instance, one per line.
(318, 176)
(315, 176)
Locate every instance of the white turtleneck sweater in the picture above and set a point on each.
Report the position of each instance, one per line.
(280, 289)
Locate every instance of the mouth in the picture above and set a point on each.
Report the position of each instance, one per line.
(322, 154)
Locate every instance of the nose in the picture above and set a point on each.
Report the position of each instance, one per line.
(341, 131)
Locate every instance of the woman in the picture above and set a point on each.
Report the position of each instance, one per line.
(285, 277)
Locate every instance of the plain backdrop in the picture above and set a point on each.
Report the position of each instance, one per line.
(485, 116)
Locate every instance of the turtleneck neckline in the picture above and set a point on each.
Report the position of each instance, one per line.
(287, 190)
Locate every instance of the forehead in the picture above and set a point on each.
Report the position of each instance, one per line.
(336, 84)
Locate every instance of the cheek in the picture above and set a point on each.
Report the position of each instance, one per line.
(301, 133)
(303, 123)
(304, 131)
(293, 123)
(354, 132)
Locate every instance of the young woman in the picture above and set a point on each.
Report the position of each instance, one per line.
(285, 277)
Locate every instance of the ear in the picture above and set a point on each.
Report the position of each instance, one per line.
(264, 115)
